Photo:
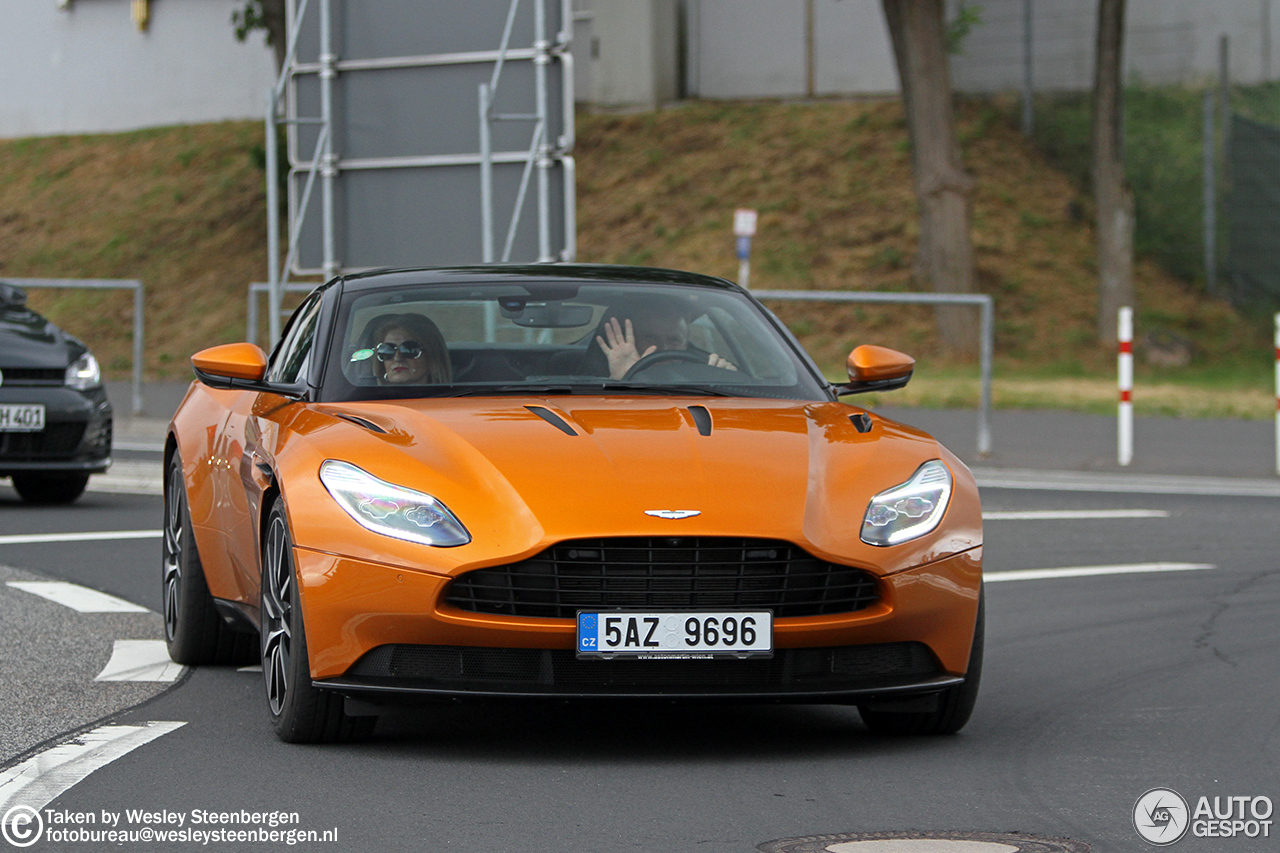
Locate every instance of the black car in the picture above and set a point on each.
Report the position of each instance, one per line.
(55, 420)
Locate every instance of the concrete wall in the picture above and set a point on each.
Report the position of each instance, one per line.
(630, 51)
(88, 69)
(766, 48)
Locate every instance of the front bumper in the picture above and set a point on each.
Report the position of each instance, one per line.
(380, 629)
(76, 437)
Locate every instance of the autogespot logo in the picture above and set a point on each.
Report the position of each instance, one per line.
(22, 826)
(1160, 816)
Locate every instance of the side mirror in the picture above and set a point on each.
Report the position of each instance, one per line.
(231, 361)
(873, 368)
(240, 366)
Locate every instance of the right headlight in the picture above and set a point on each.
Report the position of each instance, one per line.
(392, 510)
(910, 510)
(84, 373)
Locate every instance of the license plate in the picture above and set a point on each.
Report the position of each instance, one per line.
(675, 635)
(22, 417)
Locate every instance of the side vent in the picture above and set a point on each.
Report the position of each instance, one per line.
(553, 419)
(861, 422)
(359, 421)
(701, 419)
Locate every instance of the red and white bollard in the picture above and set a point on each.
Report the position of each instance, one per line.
(1124, 365)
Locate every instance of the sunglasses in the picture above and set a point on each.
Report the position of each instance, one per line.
(406, 350)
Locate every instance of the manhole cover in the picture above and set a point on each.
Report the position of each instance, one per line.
(924, 842)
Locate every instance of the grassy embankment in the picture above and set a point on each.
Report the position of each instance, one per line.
(182, 209)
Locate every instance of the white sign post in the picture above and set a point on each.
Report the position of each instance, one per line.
(1125, 369)
(744, 228)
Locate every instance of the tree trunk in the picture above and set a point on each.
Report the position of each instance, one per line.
(943, 190)
(1112, 196)
(273, 17)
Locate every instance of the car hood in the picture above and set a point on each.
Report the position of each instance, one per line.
(29, 340)
(571, 467)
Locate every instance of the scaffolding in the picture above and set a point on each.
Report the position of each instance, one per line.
(544, 161)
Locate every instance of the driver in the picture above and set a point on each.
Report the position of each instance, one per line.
(649, 329)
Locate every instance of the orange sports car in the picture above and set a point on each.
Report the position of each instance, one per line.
(564, 481)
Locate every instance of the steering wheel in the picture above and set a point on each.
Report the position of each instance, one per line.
(660, 356)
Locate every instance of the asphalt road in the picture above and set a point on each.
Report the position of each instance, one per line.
(1096, 689)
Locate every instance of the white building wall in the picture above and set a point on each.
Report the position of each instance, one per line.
(852, 52)
(87, 68)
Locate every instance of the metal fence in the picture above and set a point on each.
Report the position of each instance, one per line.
(986, 343)
(139, 323)
(256, 290)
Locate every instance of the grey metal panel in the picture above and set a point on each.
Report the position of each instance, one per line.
(404, 112)
(372, 29)
(406, 217)
(408, 75)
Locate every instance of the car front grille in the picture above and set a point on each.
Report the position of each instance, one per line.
(463, 668)
(666, 573)
(34, 376)
(55, 441)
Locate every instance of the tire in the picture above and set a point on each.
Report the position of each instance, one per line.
(194, 631)
(50, 488)
(955, 704)
(299, 712)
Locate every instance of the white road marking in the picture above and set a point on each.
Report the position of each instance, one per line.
(1150, 484)
(40, 779)
(1091, 571)
(92, 536)
(257, 667)
(1071, 514)
(140, 660)
(77, 597)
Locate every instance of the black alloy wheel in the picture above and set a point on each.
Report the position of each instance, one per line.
(299, 711)
(193, 630)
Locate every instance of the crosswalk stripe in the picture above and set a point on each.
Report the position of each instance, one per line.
(140, 660)
(77, 597)
(42, 778)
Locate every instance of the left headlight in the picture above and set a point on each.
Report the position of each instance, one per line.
(83, 373)
(910, 510)
(390, 509)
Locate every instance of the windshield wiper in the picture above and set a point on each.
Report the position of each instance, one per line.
(538, 390)
(512, 389)
(649, 388)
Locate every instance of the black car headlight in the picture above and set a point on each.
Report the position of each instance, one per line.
(391, 510)
(910, 510)
(84, 373)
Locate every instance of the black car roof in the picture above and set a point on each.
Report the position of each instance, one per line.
(489, 273)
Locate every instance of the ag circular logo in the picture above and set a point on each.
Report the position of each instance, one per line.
(22, 826)
(1160, 816)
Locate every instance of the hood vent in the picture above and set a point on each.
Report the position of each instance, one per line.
(701, 419)
(359, 421)
(861, 422)
(553, 419)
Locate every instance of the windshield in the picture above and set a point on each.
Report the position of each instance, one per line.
(548, 337)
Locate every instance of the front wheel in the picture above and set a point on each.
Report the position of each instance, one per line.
(299, 712)
(50, 488)
(955, 704)
(194, 631)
